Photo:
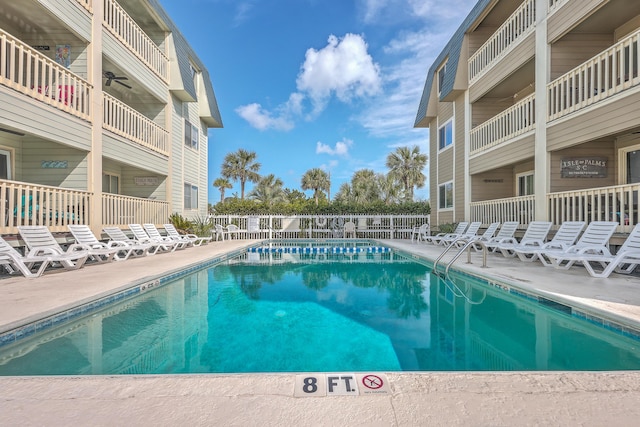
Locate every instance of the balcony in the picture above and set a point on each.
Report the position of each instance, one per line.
(601, 77)
(26, 70)
(514, 121)
(123, 120)
(521, 209)
(615, 203)
(118, 210)
(511, 32)
(26, 203)
(125, 29)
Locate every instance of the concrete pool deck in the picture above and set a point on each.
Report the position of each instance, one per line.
(458, 398)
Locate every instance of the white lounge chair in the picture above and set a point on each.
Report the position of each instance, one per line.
(12, 260)
(83, 235)
(594, 241)
(39, 241)
(535, 235)
(420, 233)
(139, 248)
(486, 236)
(142, 236)
(566, 236)
(626, 259)
(192, 238)
(460, 228)
(505, 234)
(155, 236)
(469, 234)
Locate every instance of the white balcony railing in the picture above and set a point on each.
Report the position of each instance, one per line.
(32, 204)
(616, 203)
(605, 75)
(520, 23)
(521, 209)
(514, 121)
(121, 25)
(129, 123)
(28, 71)
(118, 210)
(87, 4)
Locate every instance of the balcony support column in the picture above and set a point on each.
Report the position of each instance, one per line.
(95, 157)
(542, 66)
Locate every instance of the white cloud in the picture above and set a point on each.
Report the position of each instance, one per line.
(341, 148)
(262, 119)
(343, 67)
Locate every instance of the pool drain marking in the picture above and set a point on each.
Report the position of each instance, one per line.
(340, 384)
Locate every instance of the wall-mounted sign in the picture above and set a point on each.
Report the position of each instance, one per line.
(53, 164)
(41, 47)
(584, 167)
(146, 180)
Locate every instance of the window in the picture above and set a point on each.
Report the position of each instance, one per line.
(194, 76)
(445, 196)
(525, 184)
(191, 135)
(5, 164)
(110, 183)
(445, 135)
(633, 166)
(190, 196)
(441, 73)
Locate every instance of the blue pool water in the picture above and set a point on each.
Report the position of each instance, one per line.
(277, 311)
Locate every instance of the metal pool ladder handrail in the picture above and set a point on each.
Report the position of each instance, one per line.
(467, 247)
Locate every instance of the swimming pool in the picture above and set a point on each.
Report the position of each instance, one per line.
(282, 311)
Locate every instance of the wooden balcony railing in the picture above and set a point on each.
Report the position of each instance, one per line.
(121, 25)
(521, 209)
(520, 23)
(87, 4)
(514, 121)
(605, 75)
(32, 204)
(617, 203)
(118, 210)
(28, 71)
(129, 123)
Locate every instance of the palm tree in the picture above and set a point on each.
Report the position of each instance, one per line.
(389, 190)
(317, 180)
(345, 193)
(406, 165)
(222, 184)
(268, 190)
(241, 166)
(364, 186)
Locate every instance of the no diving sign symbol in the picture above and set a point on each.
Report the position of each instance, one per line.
(372, 382)
(340, 384)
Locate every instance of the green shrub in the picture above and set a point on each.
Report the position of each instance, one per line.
(182, 224)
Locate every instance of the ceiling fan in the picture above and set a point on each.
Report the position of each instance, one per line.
(111, 77)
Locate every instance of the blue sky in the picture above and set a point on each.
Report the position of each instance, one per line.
(333, 84)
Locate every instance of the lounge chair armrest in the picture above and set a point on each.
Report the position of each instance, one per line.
(78, 247)
(599, 250)
(43, 252)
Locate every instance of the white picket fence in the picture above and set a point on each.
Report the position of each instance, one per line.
(320, 226)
